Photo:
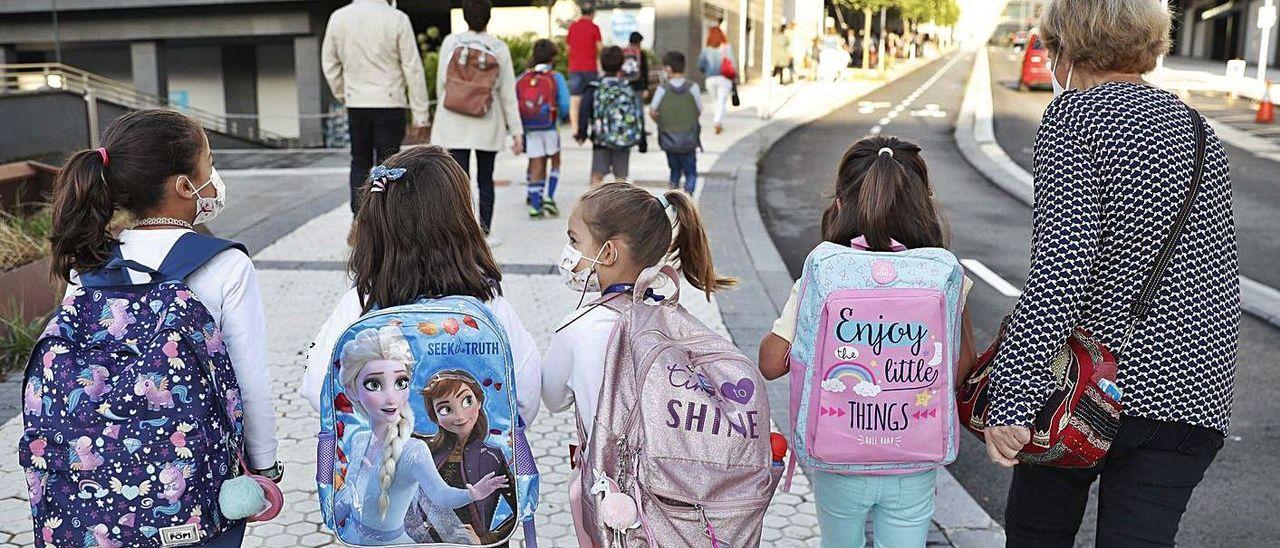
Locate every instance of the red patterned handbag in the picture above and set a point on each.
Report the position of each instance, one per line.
(1079, 420)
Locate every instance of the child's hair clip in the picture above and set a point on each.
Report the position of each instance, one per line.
(381, 174)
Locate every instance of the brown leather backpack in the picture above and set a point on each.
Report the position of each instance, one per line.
(470, 78)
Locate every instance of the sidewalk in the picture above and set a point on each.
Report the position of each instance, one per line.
(303, 274)
(1205, 86)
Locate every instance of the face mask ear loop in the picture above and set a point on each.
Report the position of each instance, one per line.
(594, 262)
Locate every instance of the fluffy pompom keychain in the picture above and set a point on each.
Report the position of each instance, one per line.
(617, 509)
(250, 496)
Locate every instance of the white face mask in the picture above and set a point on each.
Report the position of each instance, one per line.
(584, 280)
(209, 207)
(1059, 89)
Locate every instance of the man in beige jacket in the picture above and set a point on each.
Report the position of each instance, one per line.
(370, 58)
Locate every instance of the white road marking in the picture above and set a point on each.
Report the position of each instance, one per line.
(994, 280)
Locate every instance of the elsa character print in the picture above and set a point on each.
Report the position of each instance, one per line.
(388, 465)
(461, 450)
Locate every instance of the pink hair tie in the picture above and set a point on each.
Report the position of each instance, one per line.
(102, 151)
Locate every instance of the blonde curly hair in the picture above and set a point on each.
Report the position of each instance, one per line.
(384, 343)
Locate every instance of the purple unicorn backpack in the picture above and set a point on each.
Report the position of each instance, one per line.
(679, 452)
(131, 411)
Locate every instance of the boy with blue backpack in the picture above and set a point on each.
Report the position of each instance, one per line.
(610, 115)
(676, 106)
(543, 97)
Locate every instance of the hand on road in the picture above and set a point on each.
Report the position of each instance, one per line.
(1004, 442)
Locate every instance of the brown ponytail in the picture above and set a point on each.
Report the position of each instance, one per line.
(691, 248)
(140, 151)
(632, 214)
(883, 193)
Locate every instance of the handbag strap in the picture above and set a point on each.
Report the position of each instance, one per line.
(1146, 297)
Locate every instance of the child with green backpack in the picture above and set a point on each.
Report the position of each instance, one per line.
(610, 116)
(676, 105)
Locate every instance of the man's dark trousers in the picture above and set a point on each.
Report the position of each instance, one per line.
(376, 133)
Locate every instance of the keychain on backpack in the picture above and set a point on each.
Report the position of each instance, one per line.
(251, 497)
(618, 510)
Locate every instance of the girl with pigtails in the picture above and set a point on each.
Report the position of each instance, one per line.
(388, 464)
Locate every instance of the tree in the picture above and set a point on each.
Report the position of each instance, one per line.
(866, 7)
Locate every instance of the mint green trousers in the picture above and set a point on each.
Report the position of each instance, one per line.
(900, 508)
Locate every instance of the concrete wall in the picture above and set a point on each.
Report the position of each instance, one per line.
(197, 70)
(51, 123)
(277, 90)
(108, 61)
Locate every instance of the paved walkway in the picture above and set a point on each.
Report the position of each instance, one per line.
(302, 276)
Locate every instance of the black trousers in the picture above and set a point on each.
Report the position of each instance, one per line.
(484, 179)
(376, 133)
(1145, 483)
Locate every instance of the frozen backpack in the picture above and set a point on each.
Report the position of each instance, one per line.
(679, 452)
(131, 411)
(440, 373)
(615, 115)
(536, 95)
(873, 361)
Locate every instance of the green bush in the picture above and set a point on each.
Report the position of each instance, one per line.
(17, 338)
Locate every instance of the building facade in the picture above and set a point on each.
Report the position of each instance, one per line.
(1221, 30)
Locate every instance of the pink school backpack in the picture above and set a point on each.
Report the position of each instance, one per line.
(679, 453)
(873, 361)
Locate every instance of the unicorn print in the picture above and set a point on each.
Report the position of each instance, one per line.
(94, 381)
(49, 356)
(173, 481)
(156, 389)
(233, 403)
(33, 402)
(179, 440)
(35, 485)
(116, 317)
(82, 456)
(98, 538)
(170, 350)
(213, 339)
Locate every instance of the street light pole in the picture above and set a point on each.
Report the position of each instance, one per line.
(57, 42)
(767, 58)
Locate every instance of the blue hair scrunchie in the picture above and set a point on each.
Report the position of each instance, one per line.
(381, 174)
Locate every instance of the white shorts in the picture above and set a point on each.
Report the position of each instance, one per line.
(542, 143)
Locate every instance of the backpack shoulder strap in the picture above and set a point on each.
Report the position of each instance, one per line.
(115, 272)
(191, 252)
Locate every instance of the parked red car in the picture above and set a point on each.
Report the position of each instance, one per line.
(1035, 65)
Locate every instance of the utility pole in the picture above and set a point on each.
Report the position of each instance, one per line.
(767, 58)
(57, 41)
(742, 40)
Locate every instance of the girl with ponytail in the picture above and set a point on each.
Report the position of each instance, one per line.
(388, 464)
(882, 195)
(616, 231)
(156, 166)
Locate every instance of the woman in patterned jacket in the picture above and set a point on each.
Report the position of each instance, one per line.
(1114, 159)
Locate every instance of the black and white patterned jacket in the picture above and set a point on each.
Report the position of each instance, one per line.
(1112, 165)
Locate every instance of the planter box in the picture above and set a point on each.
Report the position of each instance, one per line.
(25, 185)
(29, 291)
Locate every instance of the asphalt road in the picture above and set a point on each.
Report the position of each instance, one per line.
(1254, 181)
(1231, 507)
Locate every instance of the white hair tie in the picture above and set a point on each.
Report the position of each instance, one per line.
(885, 150)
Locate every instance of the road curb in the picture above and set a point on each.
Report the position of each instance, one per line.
(744, 248)
(975, 136)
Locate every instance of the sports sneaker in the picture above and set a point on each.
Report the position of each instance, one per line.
(549, 207)
(535, 213)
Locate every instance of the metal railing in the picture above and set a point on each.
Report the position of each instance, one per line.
(45, 77)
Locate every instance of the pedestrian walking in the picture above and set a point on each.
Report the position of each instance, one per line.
(717, 64)
(544, 102)
(635, 68)
(610, 116)
(1118, 163)
(677, 105)
(160, 312)
(583, 41)
(783, 64)
(476, 88)
(370, 58)
(883, 203)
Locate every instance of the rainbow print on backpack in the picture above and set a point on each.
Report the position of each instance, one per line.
(873, 361)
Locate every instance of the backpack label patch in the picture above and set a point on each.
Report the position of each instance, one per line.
(180, 535)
